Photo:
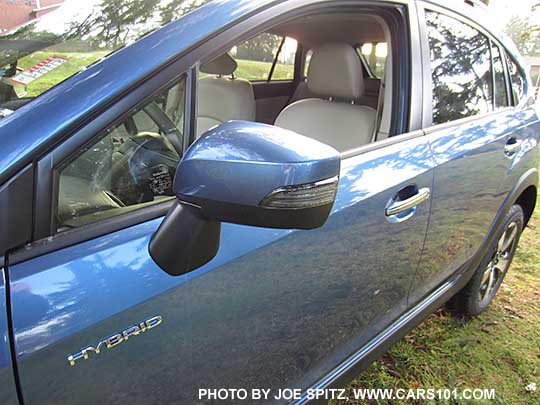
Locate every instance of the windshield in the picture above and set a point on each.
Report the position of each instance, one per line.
(71, 35)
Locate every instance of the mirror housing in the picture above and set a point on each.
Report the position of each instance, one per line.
(260, 175)
(244, 173)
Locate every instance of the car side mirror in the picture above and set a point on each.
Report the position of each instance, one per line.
(244, 173)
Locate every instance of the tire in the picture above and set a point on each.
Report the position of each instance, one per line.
(476, 296)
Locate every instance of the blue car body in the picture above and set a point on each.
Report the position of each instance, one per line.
(276, 308)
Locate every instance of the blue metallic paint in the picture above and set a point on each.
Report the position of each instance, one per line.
(472, 179)
(272, 287)
(8, 394)
(527, 131)
(43, 120)
(267, 286)
(47, 117)
(242, 162)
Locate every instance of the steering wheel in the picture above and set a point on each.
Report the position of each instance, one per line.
(143, 168)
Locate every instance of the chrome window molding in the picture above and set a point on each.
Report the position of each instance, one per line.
(382, 144)
(450, 124)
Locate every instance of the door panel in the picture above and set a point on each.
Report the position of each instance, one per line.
(473, 170)
(524, 128)
(8, 393)
(471, 167)
(275, 308)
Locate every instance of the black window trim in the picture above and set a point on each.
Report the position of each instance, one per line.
(507, 79)
(44, 240)
(49, 167)
(423, 7)
(492, 71)
(508, 55)
(494, 44)
(274, 62)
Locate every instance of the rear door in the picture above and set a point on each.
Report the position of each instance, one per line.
(274, 308)
(471, 128)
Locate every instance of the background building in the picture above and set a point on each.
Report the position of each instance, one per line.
(14, 13)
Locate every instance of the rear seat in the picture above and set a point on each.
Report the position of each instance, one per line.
(369, 98)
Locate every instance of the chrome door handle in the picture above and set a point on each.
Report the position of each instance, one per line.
(512, 147)
(400, 206)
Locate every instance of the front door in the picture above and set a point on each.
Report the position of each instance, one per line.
(273, 309)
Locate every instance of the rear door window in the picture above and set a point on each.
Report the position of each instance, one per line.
(265, 57)
(460, 69)
(375, 56)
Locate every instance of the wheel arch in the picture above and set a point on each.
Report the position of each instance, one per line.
(527, 202)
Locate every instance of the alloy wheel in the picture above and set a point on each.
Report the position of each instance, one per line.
(499, 263)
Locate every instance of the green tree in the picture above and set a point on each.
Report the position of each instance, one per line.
(516, 29)
(177, 8)
(114, 22)
(261, 48)
(525, 31)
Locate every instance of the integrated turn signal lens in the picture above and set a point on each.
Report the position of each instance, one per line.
(303, 196)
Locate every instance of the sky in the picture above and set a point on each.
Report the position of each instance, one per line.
(503, 10)
(500, 10)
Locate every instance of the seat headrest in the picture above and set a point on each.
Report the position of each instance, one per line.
(335, 70)
(223, 65)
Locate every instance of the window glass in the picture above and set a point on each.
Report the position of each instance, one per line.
(255, 58)
(460, 69)
(375, 56)
(129, 166)
(41, 53)
(516, 79)
(501, 98)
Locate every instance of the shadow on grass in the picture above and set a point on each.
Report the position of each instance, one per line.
(499, 349)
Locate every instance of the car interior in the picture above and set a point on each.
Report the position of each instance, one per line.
(332, 95)
(336, 103)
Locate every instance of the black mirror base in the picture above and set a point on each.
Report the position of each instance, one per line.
(185, 240)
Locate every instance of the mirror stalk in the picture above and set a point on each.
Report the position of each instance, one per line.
(185, 240)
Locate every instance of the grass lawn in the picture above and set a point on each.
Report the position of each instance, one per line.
(253, 70)
(500, 349)
(76, 61)
(247, 69)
